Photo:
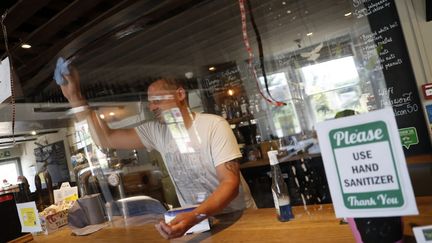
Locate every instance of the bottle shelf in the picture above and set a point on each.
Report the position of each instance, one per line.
(240, 119)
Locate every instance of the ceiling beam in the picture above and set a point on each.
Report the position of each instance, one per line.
(17, 141)
(41, 78)
(73, 11)
(26, 135)
(22, 11)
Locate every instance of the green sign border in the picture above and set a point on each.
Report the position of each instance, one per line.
(365, 195)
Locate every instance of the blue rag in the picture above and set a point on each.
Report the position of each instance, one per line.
(62, 68)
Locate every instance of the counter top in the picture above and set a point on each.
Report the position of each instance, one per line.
(419, 159)
(286, 159)
(9, 189)
(318, 223)
(411, 160)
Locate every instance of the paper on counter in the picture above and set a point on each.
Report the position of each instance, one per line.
(5, 80)
(202, 226)
(29, 217)
(89, 229)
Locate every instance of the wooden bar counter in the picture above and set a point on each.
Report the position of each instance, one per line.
(318, 224)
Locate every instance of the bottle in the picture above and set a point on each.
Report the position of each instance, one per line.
(279, 189)
(109, 211)
(236, 108)
(217, 110)
(263, 104)
(258, 135)
(257, 103)
(224, 112)
(243, 106)
(252, 107)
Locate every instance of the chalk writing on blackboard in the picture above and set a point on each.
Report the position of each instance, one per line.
(52, 157)
(364, 11)
(402, 105)
(219, 81)
(385, 52)
(377, 42)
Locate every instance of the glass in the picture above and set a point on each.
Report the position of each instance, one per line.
(315, 61)
(126, 187)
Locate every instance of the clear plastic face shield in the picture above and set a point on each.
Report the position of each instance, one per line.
(160, 105)
(170, 108)
(315, 76)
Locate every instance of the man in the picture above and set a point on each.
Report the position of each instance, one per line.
(199, 151)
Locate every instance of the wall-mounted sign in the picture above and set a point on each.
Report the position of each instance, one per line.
(5, 154)
(429, 114)
(427, 91)
(423, 234)
(408, 136)
(5, 80)
(365, 166)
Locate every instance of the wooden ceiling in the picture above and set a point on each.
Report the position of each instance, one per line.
(51, 25)
(128, 39)
(114, 41)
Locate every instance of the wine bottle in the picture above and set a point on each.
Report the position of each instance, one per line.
(279, 189)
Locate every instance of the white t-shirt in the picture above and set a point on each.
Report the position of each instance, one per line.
(191, 156)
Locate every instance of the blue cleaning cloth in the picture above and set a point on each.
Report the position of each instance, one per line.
(62, 68)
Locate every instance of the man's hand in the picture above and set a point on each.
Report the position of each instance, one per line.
(179, 225)
(229, 178)
(71, 90)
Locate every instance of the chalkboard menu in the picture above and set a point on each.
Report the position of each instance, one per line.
(221, 80)
(52, 157)
(401, 93)
(216, 83)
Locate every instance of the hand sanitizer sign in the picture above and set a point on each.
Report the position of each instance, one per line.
(367, 173)
(365, 166)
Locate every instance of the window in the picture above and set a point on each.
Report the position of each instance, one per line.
(10, 170)
(284, 119)
(333, 86)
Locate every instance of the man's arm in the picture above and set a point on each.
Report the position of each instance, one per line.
(99, 130)
(229, 179)
(112, 138)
